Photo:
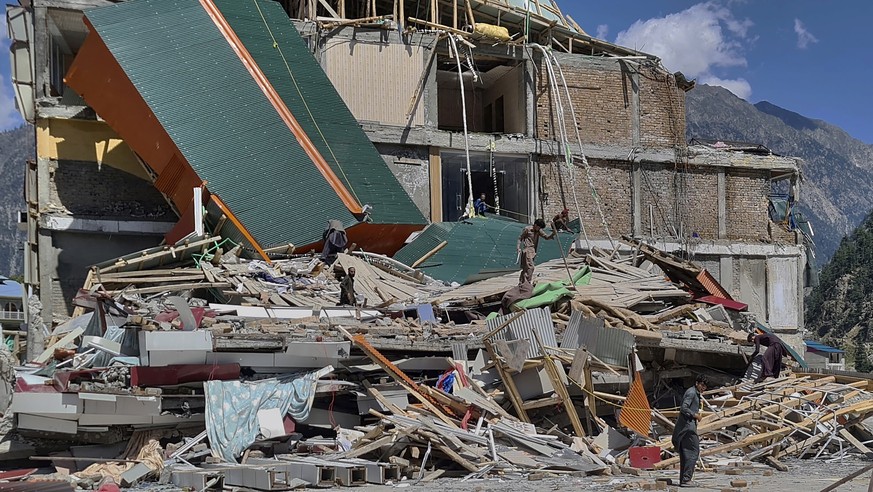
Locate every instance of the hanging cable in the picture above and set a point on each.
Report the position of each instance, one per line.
(453, 44)
(582, 154)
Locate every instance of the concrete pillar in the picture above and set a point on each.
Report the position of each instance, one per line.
(529, 96)
(722, 204)
(637, 196)
(41, 52)
(435, 168)
(726, 274)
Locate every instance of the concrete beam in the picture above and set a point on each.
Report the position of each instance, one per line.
(71, 4)
(74, 224)
(714, 248)
(521, 144)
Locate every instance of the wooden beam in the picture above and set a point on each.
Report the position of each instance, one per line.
(470, 16)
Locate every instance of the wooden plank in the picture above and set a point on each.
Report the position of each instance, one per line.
(508, 383)
(845, 434)
(848, 478)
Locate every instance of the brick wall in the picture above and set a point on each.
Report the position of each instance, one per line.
(747, 216)
(104, 192)
(612, 180)
(601, 99)
(602, 93)
(687, 197)
(662, 109)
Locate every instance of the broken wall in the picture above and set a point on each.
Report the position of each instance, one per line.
(617, 103)
(375, 79)
(411, 165)
(86, 189)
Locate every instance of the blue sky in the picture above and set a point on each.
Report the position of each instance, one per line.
(808, 56)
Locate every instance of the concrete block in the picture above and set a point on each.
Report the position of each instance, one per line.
(173, 357)
(154, 341)
(138, 405)
(46, 403)
(244, 359)
(132, 476)
(119, 419)
(47, 424)
(739, 483)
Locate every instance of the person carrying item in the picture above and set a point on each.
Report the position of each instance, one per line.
(772, 359)
(685, 439)
(528, 242)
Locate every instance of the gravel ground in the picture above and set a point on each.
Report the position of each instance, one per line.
(802, 476)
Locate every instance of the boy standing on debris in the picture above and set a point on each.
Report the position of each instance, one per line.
(528, 242)
(347, 288)
(685, 440)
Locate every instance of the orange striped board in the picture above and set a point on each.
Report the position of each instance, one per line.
(636, 414)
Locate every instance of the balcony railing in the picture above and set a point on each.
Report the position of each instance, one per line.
(12, 315)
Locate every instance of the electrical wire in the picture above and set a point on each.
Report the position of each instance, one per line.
(303, 100)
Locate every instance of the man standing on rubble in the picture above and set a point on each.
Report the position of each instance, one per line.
(685, 439)
(347, 289)
(528, 242)
(772, 359)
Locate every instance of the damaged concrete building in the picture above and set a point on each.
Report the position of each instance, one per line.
(539, 116)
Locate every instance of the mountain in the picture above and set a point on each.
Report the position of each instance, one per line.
(837, 169)
(840, 309)
(16, 147)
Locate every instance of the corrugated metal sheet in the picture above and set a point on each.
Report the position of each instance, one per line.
(711, 285)
(820, 347)
(636, 414)
(474, 246)
(360, 71)
(229, 133)
(610, 345)
(309, 95)
(537, 321)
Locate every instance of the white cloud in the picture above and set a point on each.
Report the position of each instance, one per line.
(602, 31)
(9, 117)
(696, 41)
(804, 37)
(740, 86)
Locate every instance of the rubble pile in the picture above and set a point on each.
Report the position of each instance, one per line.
(208, 370)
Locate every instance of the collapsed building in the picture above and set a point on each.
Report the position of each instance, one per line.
(203, 146)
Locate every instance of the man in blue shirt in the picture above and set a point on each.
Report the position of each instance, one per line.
(479, 206)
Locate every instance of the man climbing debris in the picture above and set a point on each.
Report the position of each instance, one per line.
(561, 221)
(685, 438)
(772, 359)
(347, 288)
(528, 242)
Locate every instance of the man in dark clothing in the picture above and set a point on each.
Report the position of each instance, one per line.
(335, 240)
(347, 289)
(528, 242)
(772, 359)
(685, 439)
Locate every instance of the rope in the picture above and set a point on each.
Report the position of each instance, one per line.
(582, 153)
(454, 49)
(303, 99)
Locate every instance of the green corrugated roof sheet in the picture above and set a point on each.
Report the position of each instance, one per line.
(475, 247)
(227, 129)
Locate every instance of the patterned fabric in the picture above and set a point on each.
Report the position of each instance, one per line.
(232, 408)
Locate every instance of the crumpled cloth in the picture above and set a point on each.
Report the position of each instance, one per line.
(232, 408)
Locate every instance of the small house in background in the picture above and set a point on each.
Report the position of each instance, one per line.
(821, 356)
(11, 303)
